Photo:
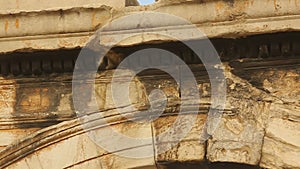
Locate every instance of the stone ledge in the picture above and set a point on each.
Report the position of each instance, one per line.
(239, 19)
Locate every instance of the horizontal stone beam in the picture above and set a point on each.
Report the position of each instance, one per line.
(14, 7)
(71, 28)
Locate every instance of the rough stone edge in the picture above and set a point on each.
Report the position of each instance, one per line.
(233, 28)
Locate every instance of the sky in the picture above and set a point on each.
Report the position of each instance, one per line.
(146, 2)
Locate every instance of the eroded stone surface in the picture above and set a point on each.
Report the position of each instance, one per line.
(189, 147)
(281, 147)
(239, 135)
(257, 127)
(79, 23)
(37, 5)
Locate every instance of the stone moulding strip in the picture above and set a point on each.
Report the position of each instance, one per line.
(227, 29)
(75, 40)
(18, 117)
(242, 18)
(42, 118)
(60, 132)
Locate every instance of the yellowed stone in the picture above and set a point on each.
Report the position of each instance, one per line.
(188, 148)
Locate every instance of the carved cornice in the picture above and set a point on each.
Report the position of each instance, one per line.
(71, 28)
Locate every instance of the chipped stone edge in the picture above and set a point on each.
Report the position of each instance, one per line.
(239, 26)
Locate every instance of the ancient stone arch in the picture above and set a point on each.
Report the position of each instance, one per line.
(259, 128)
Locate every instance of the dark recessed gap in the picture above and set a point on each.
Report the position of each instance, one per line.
(269, 46)
(204, 165)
